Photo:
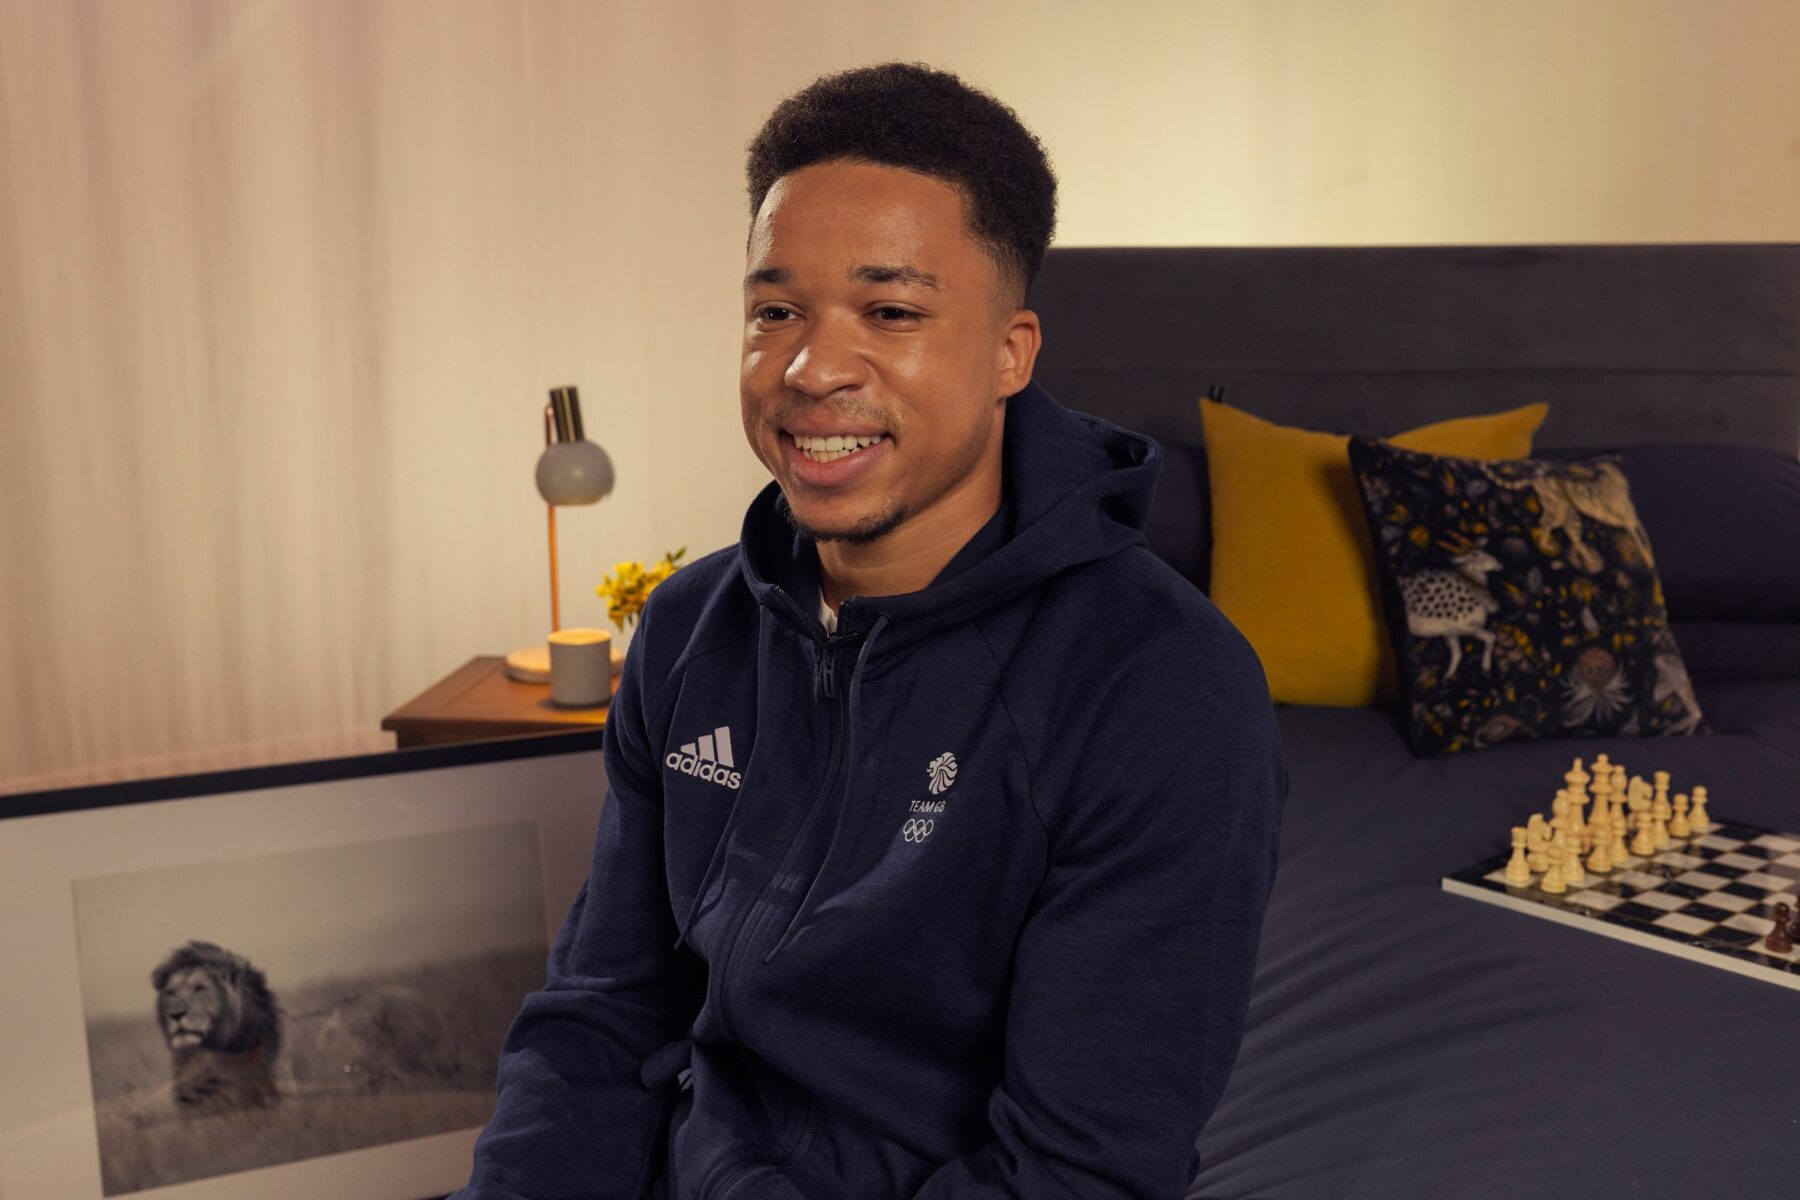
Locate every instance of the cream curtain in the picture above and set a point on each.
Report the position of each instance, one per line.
(283, 282)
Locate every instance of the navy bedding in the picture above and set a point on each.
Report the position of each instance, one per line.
(1407, 1042)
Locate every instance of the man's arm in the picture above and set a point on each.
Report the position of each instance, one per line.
(1132, 974)
(573, 1119)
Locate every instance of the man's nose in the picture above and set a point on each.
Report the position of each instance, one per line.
(826, 360)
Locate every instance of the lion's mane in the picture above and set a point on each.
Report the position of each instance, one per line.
(222, 1026)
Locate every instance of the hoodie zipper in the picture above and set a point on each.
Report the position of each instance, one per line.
(728, 972)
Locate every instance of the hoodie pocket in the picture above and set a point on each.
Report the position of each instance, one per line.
(746, 1125)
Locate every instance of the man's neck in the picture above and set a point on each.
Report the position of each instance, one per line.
(910, 557)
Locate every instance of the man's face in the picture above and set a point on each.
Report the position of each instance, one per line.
(871, 314)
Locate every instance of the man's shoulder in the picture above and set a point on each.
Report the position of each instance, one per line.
(705, 601)
(1144, 610)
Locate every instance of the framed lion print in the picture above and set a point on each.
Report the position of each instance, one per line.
(285, 981)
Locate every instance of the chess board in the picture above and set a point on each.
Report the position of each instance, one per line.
(1710, 899)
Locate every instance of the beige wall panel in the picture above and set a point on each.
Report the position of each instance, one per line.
(283, 282)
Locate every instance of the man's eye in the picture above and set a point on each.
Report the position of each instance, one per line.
(772, 313)
(890, 313)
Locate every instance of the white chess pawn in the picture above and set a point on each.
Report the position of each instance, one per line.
(1518, 871)
(1553, 878)
(1662, 785)
(1600, 861)
(1679, 826)
(1572, 872)
(1698, 817)
(1617, 850)
(1559, 823)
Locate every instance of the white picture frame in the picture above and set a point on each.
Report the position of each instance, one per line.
(162, 837)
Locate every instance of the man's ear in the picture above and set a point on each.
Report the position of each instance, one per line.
(1021, 337)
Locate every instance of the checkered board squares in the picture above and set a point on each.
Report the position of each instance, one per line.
(1710, 899)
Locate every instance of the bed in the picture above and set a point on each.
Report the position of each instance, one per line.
(1403, 1041)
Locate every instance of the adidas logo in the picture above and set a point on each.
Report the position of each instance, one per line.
(707, 757)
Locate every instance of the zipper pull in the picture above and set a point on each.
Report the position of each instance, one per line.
(828, 670)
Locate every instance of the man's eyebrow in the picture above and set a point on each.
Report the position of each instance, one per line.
(767, 275)
(902, 273)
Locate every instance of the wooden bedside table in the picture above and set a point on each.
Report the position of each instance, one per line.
(479, 700)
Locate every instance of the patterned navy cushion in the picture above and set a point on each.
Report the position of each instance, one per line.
(1521, 600)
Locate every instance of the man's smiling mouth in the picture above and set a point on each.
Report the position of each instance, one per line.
(835, 446)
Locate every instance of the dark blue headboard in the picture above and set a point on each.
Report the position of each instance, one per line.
(1628, 344)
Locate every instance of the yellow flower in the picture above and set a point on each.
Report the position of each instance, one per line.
(630, 585)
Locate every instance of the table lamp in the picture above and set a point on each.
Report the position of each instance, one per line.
(571, 470)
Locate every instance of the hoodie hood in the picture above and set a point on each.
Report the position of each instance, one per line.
(1075, 489)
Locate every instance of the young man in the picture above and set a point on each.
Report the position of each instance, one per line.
(942, 813)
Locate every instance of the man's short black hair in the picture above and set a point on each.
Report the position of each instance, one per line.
(922, 119)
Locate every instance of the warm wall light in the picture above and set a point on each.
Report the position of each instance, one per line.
(571, 470)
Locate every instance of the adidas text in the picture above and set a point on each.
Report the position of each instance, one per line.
(707, 757)
(687, 764)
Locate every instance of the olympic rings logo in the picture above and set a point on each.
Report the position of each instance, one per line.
(916, 830)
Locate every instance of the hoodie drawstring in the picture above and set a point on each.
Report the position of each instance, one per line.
(837, 827)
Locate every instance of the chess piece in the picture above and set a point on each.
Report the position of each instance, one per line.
(1659, 824)
(1572, 873)
(1643, 843)
(1781, 938)
(1662, 786)
(1518, 870)
(1678, 826)
(1698, 818)
(1577, 779)
(1600, 861)
(1617, 851)
(1602, 792)
(1553, 878)
(1600, 828)
(1577, 797)
(1537, 842)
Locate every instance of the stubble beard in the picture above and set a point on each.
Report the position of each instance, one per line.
(871, 528)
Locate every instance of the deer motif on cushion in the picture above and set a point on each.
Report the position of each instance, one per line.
(1453, 604)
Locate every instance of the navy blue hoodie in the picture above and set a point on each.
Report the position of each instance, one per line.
(960, 901)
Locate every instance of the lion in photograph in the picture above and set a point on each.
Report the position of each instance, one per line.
(383, 1038)
(222, 1026)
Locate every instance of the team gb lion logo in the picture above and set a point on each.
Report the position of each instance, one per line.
(943, 772)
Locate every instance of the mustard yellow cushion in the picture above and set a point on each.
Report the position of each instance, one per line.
(1292, 563)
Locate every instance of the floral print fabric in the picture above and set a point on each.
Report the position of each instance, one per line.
(1522, 600)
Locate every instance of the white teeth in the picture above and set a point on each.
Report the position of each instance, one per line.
(829, 449)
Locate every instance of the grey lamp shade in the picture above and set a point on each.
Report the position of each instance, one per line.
(574, 473)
